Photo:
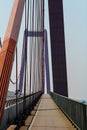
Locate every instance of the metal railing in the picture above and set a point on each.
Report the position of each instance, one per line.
(9, 116)
(12, 101)
(75, 111)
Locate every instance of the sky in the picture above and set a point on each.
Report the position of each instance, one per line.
(75, 19)
(75, 26)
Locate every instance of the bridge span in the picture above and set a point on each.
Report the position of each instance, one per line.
(50, 117)
(45, 112)
(34, 110)
(46, 116)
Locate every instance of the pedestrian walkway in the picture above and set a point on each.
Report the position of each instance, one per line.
(50, 117)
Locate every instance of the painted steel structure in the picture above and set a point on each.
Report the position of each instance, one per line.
(36, 64)
(33, 10)
(75, 111)
(58, 47)
(47, 62)
(8, 49)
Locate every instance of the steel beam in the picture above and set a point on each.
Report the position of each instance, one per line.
(8, 49)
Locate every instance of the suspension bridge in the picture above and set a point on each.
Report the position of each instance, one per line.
(31, 108)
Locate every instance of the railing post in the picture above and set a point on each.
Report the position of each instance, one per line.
(84, 117)
(75, 111)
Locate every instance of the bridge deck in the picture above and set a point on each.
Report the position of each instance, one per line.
(50, 117)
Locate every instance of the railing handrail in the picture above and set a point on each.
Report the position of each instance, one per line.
(13, 100)
(74, 110)
(11, 117)
(70, 99)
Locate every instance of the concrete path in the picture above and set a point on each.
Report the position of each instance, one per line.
(50, 117)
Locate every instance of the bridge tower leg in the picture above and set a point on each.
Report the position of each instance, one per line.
(8, 49)
(58, 47)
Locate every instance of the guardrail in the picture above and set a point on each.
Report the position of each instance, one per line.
(9, 116)
(75, 111)
(20, 98)
(12, 101)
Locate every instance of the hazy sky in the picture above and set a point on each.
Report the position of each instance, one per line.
(75, 22)
(75, 17)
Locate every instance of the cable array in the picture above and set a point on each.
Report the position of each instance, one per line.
(31, 77)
